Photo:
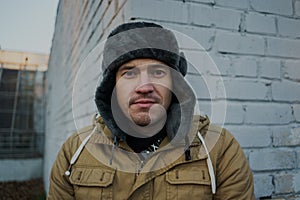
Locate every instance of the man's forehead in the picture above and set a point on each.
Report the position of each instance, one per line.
(143, 62)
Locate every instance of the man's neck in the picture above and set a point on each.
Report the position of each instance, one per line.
(140, 144)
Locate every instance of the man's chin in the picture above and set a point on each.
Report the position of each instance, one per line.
(141, 120)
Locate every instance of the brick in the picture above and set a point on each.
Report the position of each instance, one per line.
(241, 4)
(201, 14)
(263, 185)
(297, 182)
(258, 23)
(174, 11)
(296, 112)
(235, 43)
(203, 63)
(286, 91)
(197, 65)
(251, 136)
(226, 18)
(284, 183)
(246, 67)
(268, 113)
(292, 70)
(244, 89)
(224, 66)
(288, 27)
(270, 68)
(203, 1)
(205, 15)
(272, 159)
(206, 87)
(283, 7)
(297, 8)
(298, 156)
(283, 47)
(202, 37)
(234, 112)
(289, 137)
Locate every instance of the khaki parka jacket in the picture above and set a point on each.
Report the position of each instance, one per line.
(92, 177)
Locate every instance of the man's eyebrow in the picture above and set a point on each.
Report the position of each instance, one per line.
(159, 65)
(126, 67)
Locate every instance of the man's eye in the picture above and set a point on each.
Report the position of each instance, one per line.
(159, 73)
(129, 74)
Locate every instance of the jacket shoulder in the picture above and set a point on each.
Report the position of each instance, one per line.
(73, 141)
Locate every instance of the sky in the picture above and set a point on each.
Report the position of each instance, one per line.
(27, 25)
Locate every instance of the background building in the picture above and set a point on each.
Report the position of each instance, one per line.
(22, 114)
(254, 43)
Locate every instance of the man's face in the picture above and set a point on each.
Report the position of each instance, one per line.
(143, 90)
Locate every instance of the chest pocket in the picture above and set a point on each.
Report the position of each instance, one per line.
(92, 183)
(188, 182)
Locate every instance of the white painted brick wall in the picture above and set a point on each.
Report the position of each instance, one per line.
(270, 68)
(259, 23)
(244, 66)
(263, 181)
(255, 45)
(292, 70)
(227, 18)
(286, 91)
(286, 183)
(250, 136)
(240, 44)
(297, 8)
(240, 4)
(287, 137)
(240, 89)
(296, 111)
(283, 47)
(288, 27)
(281, 7)
(268, 113)
(160, 10)
(262, 160)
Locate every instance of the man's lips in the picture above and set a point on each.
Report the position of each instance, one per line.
(144, 103)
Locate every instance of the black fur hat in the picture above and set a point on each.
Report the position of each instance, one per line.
(144, 40)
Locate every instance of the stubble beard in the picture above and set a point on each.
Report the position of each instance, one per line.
(141, 119)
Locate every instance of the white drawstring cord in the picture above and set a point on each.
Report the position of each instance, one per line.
(209, 164)
(78, 151)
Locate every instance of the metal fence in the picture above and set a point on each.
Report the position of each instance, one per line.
(22, 105)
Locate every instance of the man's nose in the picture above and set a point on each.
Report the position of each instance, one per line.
(145, 85)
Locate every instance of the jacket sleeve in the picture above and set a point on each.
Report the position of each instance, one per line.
(60, 187)
(233, 174)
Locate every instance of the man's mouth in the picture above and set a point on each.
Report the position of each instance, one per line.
(144, 103)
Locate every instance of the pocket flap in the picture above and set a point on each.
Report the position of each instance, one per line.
(189, 175)
(86, 176)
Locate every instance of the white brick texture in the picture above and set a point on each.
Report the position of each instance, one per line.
(270, 68)
(297, 8)
(263, 185)
(259, 23)
(292, 70)
(261, 160)
(282, 7)
(159, 10)
(268, 114)
(240, 4)
(236, 43)
(286, 91)
(288, 27)
(283, 47)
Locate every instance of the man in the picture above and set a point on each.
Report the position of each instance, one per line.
(147, 143)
